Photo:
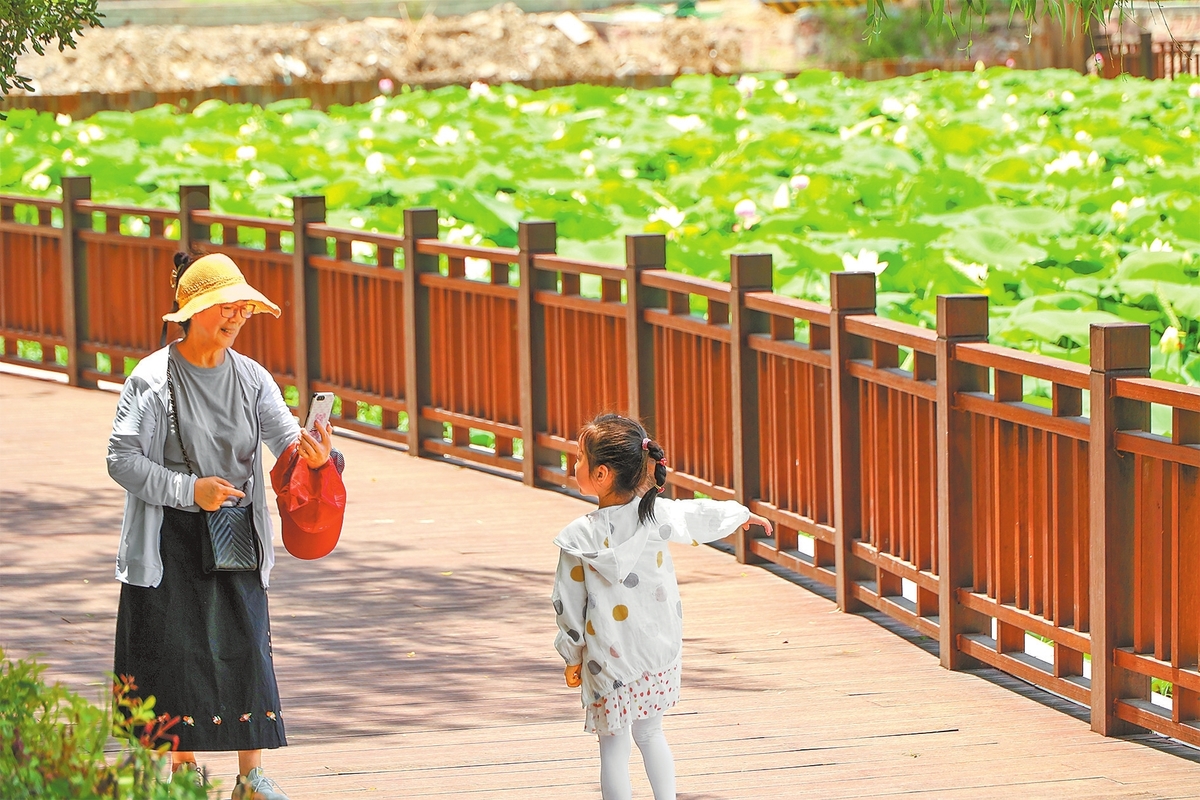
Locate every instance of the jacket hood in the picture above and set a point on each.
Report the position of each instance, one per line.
(601, 540)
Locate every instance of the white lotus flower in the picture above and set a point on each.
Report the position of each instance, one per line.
(445, 135)
(1159, 246)
(901, 135)
(1067, 161)
(891, 106)
(1118, 182)
(366, 133)
(1170, 341)
(246, 152)
(747, 85)
(586, 155)
(614, 143)
(799, 182)
(479, 89)
(63, 119)
(685, 124)
(361, 251)
(668, 214)
(375, 163)
(780, 87)
(1119, 210)
(40, 182)
(865, 261)
(255, 178)
(1068, 96)
(783, 196)
(1194, 91)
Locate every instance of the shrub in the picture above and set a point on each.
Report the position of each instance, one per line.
(52, 741)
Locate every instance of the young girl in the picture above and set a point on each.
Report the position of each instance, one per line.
(619, 615)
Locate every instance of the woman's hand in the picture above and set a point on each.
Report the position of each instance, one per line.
(211, 493)
(315, 452)
(573, 673)
(755, 519)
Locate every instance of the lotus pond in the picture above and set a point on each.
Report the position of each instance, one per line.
(1067, 199)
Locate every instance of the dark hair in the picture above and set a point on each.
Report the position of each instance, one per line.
(182, 262)
(637, 461)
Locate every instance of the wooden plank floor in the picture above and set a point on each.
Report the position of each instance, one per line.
(417, 660)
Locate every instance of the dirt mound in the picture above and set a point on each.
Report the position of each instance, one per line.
(501, 44)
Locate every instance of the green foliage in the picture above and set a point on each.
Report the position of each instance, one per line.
(52, 742)
(1066, 199)
(909, 33)
(35, 24)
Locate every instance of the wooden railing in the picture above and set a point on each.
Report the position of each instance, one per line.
(908, 468)
(1143, 57)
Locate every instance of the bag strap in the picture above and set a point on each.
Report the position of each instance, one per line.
(179, 430)
(175, 416)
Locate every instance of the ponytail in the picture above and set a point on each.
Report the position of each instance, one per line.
(657, 469)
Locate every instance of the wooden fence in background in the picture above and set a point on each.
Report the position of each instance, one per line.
(902, 466)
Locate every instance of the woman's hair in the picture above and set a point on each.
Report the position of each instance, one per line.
(182, 262)
(637, 461)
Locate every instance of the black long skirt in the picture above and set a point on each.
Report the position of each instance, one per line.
(201, 644)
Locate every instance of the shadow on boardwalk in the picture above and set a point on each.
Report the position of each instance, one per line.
(417, 659)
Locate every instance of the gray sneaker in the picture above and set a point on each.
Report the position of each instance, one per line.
(258, 786)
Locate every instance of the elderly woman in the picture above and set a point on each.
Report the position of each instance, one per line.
(187, 439)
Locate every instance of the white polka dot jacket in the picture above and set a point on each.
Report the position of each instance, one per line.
(617, 602)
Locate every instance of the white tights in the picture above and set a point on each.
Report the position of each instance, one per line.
(656, 755)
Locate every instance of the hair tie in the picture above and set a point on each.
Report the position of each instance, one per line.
(663, 461)
(646, 444)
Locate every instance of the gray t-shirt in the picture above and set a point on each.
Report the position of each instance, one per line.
(217, 424)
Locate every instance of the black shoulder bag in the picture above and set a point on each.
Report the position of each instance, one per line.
(231, 544)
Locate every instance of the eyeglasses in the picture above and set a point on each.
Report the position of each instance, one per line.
(233, 309)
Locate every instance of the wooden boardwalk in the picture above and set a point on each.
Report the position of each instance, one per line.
(417, 660)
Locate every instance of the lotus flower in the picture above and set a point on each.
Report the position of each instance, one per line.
(1170, 341)
(799, 182)
(386, 86)
(866, 261)
(747, 213)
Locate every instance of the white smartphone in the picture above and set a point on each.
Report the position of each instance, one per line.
(320, 406)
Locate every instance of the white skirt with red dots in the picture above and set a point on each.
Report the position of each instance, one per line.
(652, 693)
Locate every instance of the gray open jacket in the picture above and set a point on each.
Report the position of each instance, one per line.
(135, 460)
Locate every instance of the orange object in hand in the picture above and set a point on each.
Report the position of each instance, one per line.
(573, 673)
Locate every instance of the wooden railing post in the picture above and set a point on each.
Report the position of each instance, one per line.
(75, 275)
(192, 198)
(419, 223)
(748, 273)
(849, 293)
(305, 300)
(534, 238)
(1146, 51)
(642, 251)
(1119, 350)
(960, 318)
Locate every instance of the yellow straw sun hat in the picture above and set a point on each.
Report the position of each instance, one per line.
(215, 280)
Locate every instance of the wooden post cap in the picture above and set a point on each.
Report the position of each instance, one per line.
(537, 237)
(962, 315)
(421, 223)
(751, 272)
(646, 250)
(1120, 345)
(852, 291)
